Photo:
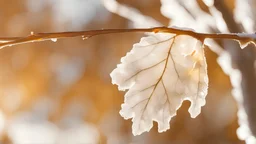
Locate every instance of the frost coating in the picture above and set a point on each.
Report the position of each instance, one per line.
(160, 72)
(243, 14)
(183, 13)
(243, 132)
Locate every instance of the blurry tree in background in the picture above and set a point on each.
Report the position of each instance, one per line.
(61, 92)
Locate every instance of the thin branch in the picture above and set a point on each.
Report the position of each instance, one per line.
(10, 41)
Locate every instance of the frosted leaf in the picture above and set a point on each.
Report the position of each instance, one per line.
(160, 72)
(243, 44)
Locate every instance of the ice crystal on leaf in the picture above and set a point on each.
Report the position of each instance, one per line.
(160, 72)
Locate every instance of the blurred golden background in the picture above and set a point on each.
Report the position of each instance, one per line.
(61, 92)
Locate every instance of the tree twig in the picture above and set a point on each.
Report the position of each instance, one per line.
(10, 41)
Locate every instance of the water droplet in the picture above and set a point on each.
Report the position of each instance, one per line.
(85, 37)
(54, 39)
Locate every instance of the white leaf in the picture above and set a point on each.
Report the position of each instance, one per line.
(160, 72)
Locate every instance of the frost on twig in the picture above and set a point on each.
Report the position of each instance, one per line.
(160, 72)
